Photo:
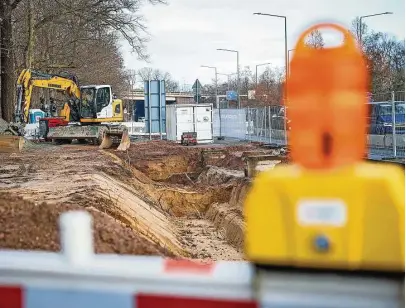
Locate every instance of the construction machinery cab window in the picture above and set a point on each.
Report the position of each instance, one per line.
(88, 98)
(103, 98)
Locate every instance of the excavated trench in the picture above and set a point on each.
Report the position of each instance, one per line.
(203, 189)
(197, 194)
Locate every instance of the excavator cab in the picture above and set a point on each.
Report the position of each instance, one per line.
(87, 106)
(98, 104)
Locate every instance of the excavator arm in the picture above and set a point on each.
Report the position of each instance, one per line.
(29, 79)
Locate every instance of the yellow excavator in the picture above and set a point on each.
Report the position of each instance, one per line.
(91, 112)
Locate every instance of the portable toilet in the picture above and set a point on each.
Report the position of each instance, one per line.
(35, 115)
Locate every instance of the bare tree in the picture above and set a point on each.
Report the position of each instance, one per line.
(145, 73)
(385, 58)
(386, 62)
(247, 80)
(79, 35)
(148, 73)
(269, 89)
(131, 75)
(359, 30)
(315, 39)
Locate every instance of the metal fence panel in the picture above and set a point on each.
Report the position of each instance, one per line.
(264, 124)
(386, 125)
(229, 123)
(216, 123)
(399, 98)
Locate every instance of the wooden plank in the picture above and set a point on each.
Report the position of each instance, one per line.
(11, 144)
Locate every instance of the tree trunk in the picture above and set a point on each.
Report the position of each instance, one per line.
(2, 4)
(6, 62)
(31, 38)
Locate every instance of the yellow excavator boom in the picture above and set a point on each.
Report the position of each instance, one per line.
(29, 79)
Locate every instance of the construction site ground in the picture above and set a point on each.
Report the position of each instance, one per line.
(156, 198)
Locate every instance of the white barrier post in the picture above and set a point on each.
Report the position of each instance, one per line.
(76, 236)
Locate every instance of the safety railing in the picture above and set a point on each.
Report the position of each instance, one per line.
(386, 120)
(267, 124)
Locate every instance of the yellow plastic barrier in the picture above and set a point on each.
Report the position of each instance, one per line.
(328, 210)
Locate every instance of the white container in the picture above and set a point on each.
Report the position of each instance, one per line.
(189, 118)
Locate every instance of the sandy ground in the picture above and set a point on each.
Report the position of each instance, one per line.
(26, 225)
(156, 198)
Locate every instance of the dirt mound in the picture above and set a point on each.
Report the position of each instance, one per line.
(232, 158)
(25, 225)
(217, 176)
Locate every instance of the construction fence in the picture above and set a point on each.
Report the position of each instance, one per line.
(264, 124)
(386, 120)
(267, 124)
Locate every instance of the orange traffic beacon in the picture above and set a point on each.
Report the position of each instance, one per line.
(328, 210)
(327, 102)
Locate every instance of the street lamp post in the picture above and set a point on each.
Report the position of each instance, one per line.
(366, 16)
(215, 78)
(286, 62)
(256, 72)
(238, 73)
(286, 37)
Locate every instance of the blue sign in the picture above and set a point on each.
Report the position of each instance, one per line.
(155, 106)
(231, 95)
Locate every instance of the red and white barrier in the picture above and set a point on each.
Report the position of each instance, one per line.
(78, 278)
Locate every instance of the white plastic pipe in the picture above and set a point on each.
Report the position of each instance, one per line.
(76, 236)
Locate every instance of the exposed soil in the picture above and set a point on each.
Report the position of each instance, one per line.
(161, 159)
(72, 176)
(26, 225)
(156, 198)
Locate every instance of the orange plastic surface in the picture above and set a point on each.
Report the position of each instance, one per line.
(327, 96)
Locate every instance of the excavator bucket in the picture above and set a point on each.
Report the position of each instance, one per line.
(11, 143)
(107, 141)
(10, 139)
(125, 142)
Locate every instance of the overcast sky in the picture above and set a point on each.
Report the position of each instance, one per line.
(186, 33)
